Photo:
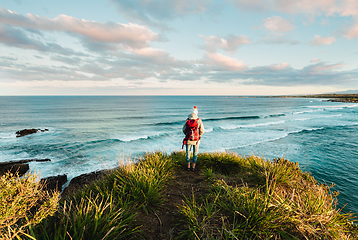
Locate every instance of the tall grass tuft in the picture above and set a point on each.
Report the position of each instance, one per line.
(143, 183)
(198, 218)
(92, 217)
(23, 202)
(225, 163)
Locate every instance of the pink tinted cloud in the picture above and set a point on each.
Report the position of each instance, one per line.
(229, 44)
(307, 6)
(279, 67)
(225, 62)
(278, 24)
(352, 32)
(320, 67)
(318, 40)
(159, 56)
(130, 34)
(312, 7)
(315, 60)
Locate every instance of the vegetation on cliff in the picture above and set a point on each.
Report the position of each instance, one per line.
(334, 97)
(230, 197)
(23, 203)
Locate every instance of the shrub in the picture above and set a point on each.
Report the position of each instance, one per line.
(23, 202)
(225, 163)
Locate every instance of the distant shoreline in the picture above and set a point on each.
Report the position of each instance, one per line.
(352, 98)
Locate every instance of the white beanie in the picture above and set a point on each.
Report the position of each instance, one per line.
(195, 110)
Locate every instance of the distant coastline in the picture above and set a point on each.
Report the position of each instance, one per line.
(353, 98)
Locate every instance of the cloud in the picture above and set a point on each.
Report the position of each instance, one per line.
(213, 62)
(67, 60)
(128, 43)
(278, 24)
(352, 31)
(122, 51)
(308, 7)
(315, 60)
(8, 58)
(320, 74)
(156, 12)
(320, 68)
(230, 44)
(158, 57)
(29, 73)
(15, 37)
(129, 35)
(279, 67)
(134, 66)
(254, 5)
(318, 40)
(274, 39)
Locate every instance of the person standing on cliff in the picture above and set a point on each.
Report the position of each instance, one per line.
(193, 129)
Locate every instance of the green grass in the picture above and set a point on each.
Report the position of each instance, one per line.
(280, 202)
(247, 198)
(108, 208)
(93, 217)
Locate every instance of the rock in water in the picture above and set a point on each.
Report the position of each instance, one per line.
(19, 166)
(25, 132)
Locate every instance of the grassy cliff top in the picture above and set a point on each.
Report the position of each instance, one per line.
(228, 197)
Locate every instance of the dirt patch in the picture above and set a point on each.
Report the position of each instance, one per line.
(164, 223)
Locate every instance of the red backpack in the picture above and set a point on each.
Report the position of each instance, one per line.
(192, 131)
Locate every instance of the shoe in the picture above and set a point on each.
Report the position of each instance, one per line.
(188, 169)
(193, 169)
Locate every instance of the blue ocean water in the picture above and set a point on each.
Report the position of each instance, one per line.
(89, 133)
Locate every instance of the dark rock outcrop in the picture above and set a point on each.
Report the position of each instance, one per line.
(79, 182)
(20, 166)
(14, 168)
(25, 132)
(54, 183)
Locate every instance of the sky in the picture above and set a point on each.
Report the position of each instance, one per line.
(178, 47)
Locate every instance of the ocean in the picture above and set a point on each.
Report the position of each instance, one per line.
(89, 133)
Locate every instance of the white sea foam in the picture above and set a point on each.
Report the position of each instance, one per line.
(305, 129)
(260, 124)
(229, 127)
(329, 116)
(302, 119)
(309, 111)
(232, 127)
(132, 138)
(276, 138)
(7, 135)
(207, 130)
(318, 117)
(259, 142)
(341, 106)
